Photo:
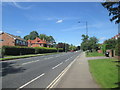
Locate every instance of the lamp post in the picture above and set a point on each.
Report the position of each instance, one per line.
(86, 23)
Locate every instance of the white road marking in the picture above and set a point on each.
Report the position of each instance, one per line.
(30, 62)
(67, 60)
(55, 81)
(57, 65)
(48, 58)
(30, 81)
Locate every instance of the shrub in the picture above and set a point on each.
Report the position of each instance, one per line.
(117, 50)
(47, 50)
(17, 50)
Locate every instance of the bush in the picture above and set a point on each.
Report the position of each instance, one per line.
(16, 50)
(47, 50)
(117, 50)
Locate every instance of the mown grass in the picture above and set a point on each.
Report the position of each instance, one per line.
(93, 54)
(25, 56)
(105, 72)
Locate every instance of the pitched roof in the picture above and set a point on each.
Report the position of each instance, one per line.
(13, 36)
(37, 40)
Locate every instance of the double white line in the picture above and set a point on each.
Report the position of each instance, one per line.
(55, 81)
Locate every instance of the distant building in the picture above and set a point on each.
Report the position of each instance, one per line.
(116, 36)
(37, 43)
(7, 39)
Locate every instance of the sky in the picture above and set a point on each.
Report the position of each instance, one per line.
(58, 19)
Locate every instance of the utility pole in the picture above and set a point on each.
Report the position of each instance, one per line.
(86, 24)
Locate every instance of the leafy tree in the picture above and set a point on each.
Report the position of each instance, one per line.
(27, 37)
(43, 37)
(114, 10)
(65, 46)
(49, 39)
(111, 43)
(89, 43)
(72, 47)
(117, 47)
(31, 36)
(85, 38)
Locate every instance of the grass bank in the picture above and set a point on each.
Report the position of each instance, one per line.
(93, 54)
(105, 72)
(25, 56)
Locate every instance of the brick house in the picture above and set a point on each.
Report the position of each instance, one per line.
(37, 43)
(116, 36)
(7, 39)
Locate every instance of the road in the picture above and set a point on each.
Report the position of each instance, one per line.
(35, 72)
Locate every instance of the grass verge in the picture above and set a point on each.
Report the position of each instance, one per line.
(24, 56)
(94, 54)
(105, 72)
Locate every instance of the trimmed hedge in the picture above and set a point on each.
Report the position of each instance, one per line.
(47, 50)
(17, 50)
(117, 50)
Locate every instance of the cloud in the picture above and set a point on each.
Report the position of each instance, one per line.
(17, 5)
(1, 31)
(102, 38)
(59, 21)
(18, 32)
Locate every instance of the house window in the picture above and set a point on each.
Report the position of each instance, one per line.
(17, 41)
(1, 40)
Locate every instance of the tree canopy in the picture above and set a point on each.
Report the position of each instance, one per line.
(32, 35)
(114, 10)
(89, 43)
(35, 34)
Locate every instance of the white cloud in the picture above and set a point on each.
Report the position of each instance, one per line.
(59, 21)
(18, 5)
(1, 31)
(18, 32)
(102, 38)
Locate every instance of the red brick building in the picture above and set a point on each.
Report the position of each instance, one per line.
(7, 39)
(116, 37)
(37, 43)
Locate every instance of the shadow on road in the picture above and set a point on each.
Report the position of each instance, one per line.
(10, 68)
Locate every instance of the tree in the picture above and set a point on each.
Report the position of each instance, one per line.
(110, 43)
(49, 39)
(72, 47)
(89, 43)
(27, 37)
(43, 37)
(31, 36)
(114, 10)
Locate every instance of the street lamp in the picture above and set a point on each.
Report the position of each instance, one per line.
(86, 26)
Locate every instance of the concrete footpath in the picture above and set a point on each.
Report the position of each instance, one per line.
(78, 76)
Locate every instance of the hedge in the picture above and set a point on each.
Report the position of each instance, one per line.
(47, 50)
(17, 50)
(117, 50)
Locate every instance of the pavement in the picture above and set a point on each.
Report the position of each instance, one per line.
(78, 75)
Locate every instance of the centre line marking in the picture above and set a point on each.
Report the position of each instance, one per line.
(30, 81)
(57, 65)
(66, 60)
(57, 79)
(30, 62)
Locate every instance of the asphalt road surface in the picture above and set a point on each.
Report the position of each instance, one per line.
(35, 72)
